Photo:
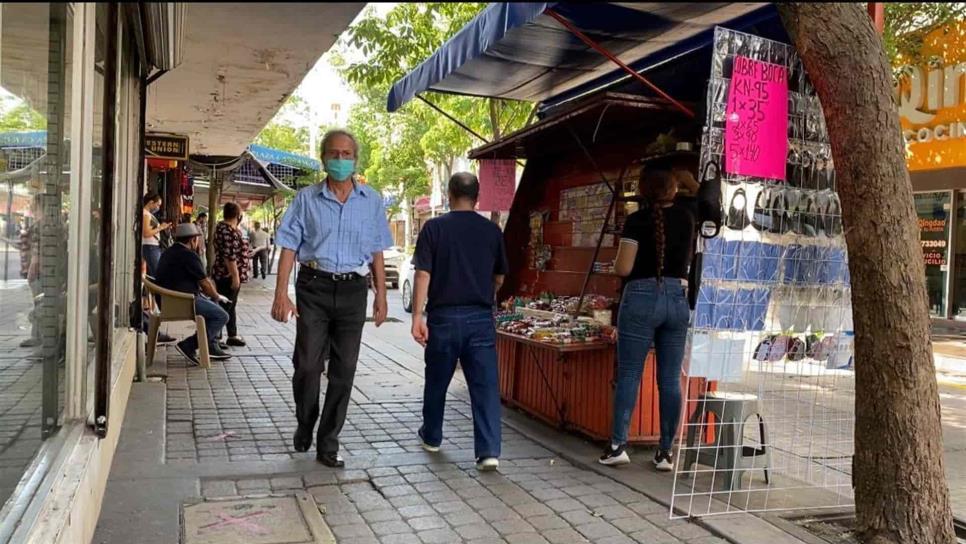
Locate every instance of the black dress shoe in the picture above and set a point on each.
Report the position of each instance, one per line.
(333, 460)
(302, 439)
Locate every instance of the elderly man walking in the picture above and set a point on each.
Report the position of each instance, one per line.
(337, 230)
(460, 264)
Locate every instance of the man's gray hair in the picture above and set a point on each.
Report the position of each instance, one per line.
(338, 132)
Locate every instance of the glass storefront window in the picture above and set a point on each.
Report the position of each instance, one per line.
(934, 210)
(35, 184)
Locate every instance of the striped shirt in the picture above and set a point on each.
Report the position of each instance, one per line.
(340, 237)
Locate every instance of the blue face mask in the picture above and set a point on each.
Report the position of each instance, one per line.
(340, 169)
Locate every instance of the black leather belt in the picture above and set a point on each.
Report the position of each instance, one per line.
(346, 276)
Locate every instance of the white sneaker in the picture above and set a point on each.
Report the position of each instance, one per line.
(488, 464)
(613, 457)
(427, 447)
(663, 461)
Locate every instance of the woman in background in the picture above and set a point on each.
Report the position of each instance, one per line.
(654, 256)
(150, 232)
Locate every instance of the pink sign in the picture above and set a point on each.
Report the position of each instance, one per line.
(498, 179)
(756, 125)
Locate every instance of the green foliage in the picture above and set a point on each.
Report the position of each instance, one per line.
(17, 116)
(402, 146)
(907, 23)
(285, 137)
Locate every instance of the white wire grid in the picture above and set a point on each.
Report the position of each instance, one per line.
(773, 323)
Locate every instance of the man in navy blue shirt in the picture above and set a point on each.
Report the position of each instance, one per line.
(460, 262)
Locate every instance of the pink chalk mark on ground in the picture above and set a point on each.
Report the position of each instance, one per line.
(241, 522)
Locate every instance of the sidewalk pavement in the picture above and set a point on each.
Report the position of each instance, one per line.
(226, 432)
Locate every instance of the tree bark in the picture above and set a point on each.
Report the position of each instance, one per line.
(900, 489)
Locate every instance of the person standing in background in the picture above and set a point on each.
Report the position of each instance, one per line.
(260, 246)
(202, 223)
(229, 266)
(151, 229)
(460, 263)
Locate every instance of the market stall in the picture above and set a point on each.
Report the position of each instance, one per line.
(557, 357)
(619, 86)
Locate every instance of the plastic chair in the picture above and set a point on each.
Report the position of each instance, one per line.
(175, 306)
(727, 454)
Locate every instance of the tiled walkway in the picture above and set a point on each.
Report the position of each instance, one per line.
(227, 432)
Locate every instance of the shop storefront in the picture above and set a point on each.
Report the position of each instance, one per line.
(70, 161)
(932, 110)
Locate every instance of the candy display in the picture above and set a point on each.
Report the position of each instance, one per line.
(550, 319)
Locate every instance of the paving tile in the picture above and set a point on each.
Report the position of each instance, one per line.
(427, 522)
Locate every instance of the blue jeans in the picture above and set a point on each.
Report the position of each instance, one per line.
(657, 313)
(467, 334)
(152, 256)
(215, 319)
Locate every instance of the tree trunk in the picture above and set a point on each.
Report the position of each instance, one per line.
(900, 489)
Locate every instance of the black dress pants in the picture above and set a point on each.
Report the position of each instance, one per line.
(331, 315)
(223, 286)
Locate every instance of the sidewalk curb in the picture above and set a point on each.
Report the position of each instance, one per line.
(946, 364)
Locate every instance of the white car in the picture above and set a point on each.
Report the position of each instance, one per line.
(406, 282)
(393, 259)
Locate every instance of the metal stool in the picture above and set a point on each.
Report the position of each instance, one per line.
(730, 410)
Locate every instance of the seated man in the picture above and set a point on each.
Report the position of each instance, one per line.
(180, 270)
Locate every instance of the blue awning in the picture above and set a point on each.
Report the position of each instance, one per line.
(277, 156)
(517, 51)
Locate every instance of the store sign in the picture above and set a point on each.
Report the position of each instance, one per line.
(166, 146)
(932, 101)
(498, 182)
(756, 122)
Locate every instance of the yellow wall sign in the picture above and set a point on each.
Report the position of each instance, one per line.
(932, 101)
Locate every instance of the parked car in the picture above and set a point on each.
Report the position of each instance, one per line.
(393, 257)
(406, 283)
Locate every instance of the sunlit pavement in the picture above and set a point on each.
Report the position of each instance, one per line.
(226, 432)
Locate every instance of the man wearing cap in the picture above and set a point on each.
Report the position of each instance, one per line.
(337, 230)
(180, 269)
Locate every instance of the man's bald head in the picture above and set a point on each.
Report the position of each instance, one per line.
(464, 186)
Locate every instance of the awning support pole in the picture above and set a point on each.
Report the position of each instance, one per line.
(453, 119)
(600, 49)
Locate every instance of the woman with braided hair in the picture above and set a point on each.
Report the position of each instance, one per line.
(654, 256)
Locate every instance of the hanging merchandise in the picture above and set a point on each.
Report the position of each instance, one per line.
(762, 218)
(738, 211)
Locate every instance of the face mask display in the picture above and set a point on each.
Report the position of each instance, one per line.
(340, 169)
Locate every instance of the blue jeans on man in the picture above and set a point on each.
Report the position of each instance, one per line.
(215, 319)
(466, 334)
(651, 312)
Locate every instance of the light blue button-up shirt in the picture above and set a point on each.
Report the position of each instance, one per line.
(340, 237)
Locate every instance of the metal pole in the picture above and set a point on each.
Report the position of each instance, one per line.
(8, 229)
(613, 58)
(102, 370)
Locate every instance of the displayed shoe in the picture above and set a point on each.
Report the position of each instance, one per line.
(30, 343)
(332, 460)
(487, 464)
(426, 445)
(222, 345)
(218, 354)
(189, 355)
(302, 439)
(164, 339)
(663, 461)
(236, 341)
(614, 456)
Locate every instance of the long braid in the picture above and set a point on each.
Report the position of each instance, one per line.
(657, 214)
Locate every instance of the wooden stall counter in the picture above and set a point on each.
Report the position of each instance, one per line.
(570, 386)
